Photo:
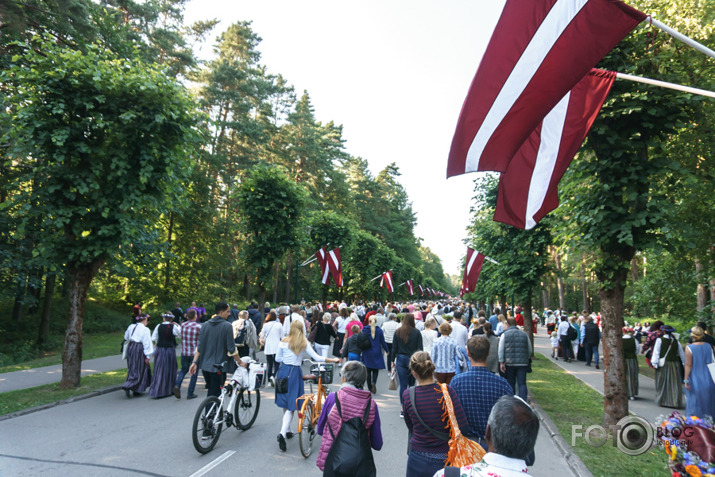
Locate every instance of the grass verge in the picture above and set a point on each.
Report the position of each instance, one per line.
(14, 401)
(644, 369)
(568, 401)
(93, 346)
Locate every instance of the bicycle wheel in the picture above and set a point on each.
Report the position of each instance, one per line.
(246, 409)
(207, 425)
(306, 432)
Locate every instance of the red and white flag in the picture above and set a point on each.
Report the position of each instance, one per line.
(528, 190)
(421, 289)
(472, 268)
(322, 258)
(387, 279)
(335, 266)
(538, 52)
(410, 287)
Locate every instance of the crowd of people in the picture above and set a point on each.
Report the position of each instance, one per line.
(480, 362)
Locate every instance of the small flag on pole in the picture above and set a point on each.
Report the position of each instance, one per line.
(473, 266)
(330, 264)
(410, 287)
(387, 279)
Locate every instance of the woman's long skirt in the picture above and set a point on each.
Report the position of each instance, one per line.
(164, 372)
(632, 377)
(669, 386)
(338, 345)
(295, 386)
(138, 372)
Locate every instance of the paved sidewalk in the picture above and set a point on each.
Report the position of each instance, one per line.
(29, 378)
(644, 404)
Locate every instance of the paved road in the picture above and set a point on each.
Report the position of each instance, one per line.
(111, 435)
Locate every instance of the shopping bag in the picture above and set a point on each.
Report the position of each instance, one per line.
(393, 380)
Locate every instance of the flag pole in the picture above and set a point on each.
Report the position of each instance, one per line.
(663, 84)
(679, 36)
(313, 258)
(380, 276)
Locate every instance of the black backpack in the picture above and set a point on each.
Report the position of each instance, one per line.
(572, 333)
(351, 454)
(241, 336)
(363, 341)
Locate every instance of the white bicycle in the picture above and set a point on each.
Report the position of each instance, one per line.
(240, 410)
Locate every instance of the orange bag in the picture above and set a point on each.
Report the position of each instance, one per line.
(462, 450)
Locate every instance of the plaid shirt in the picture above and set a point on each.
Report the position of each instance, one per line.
(189, 337)
(478, 390)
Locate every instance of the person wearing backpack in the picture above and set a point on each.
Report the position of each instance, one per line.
(352, 351)
(244, 334)
(350, 426)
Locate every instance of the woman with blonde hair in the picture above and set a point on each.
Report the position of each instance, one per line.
(323, 331)
(372, 357)
(289, 379)
(423, 410)
(699, 386)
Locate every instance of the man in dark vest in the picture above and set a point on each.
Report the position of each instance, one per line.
(590, 338)
(514, 355)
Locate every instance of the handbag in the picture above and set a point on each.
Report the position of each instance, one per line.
(711, 365)
(462, 451)
(661, 361)
(282, 383)
(393, 380)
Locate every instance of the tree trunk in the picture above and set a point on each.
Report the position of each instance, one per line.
(634, 269)
(615, 399)
(584, 288)
(167, 272)
(545, 296)
(288, 287)
(324, 297)
(43, 333)
(247, 284)
(79, 278)
(560, 282)
(528, 323)
(34, 288)
(702, 292)
(712, 295)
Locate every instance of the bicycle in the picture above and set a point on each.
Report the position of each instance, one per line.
(321, 374)
(241, 411)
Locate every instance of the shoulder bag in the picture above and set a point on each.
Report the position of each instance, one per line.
(661, 360)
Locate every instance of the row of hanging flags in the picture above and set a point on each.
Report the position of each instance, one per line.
(331, 266)
(536, 94)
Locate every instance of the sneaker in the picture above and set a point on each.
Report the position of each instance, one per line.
(281, 442)
(177, 392)
(632, 398)
(273, 382)
(402, 416)
(191, 396)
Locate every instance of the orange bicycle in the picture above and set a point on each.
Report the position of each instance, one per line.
(320, 374)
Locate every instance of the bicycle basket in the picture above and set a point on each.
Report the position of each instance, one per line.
(325, 369)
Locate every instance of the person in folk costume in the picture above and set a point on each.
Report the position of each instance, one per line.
(139, 350)
(631, 347)
(164, 356)
(668, 380)
(290, 355)
(699, 386)
(372, 357)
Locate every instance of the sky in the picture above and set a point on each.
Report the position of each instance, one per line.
(394, 74)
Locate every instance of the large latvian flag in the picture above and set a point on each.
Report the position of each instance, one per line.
(387, 280)
(410, 287)
(539, 51)
(421, 289)
(528, 190)
(472, 268)
(335, 266)
(322, 258)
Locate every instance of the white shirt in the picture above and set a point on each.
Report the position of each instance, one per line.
(286, 356)
(493, 465)
(341, 323)
(420, 325)
(140, 334)
(289, 319)
(271, 333)
(662, 344)
(428, 337)
(379, 319)
(389, 329)
(460, 334)
(563, 328)
(176, 330)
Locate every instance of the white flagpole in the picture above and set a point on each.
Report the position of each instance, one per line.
(380, 275)
(492, 260)
(663, 84)
(313, 258)
(679, 36)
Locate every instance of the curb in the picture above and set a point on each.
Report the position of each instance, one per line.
(578, 468)
(96, 393)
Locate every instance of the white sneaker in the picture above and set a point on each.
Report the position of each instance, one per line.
(273, 382)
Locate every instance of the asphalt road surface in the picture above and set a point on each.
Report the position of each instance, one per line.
(111, 435)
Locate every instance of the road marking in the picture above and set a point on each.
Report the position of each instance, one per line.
(205, 469)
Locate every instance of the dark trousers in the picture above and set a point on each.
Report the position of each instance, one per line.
(372, 375)
(389, 363)
(185, 365)
(566, 347)
(402, 363)
(591, 352)
(517, 375)
(271, 366)
(214, 382)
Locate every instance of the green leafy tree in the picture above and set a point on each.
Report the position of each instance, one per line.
(106, 137)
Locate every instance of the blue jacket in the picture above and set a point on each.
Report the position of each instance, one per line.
(372, 357)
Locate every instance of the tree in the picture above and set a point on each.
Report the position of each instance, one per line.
(271, 205)
(106, 137)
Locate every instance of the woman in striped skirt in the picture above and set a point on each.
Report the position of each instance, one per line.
(668, 381)
(630, 353)
(165, 357)
(139, 350)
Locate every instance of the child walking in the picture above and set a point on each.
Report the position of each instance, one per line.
(554, 345)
